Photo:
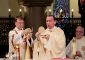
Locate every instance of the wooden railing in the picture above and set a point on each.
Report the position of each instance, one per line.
(6, 24)
(69, 26)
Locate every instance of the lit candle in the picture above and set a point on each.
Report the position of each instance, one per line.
(9, 10)
(61, 13)
(20, 10)
(49, 11)
(72, 12)
(61, 10)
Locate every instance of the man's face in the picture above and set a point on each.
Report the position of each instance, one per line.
(50, 22)
(79, 33)
(19, 24)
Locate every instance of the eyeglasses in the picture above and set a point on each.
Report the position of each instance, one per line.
(79, 31)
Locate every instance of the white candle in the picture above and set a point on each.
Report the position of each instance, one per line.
(61, 13)
(61, 10)
(72, 12)
(20, 10)
(49, 11)
(9, 10)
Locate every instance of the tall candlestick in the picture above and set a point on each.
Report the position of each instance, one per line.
(9, 10)
(72, 12)
(20, 10)
(61, 13)
(49, 11)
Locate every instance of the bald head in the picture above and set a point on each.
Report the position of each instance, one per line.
(80, 27)
(79, 32)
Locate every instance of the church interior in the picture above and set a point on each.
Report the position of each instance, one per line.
(68, 14)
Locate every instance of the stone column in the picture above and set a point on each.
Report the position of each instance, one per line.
(35, 17)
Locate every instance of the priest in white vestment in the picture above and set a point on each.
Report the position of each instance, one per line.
(38, 49)
(27, 35)
(76, 47)
(16, 44)
(54, 42)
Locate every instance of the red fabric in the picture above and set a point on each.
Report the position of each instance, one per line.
(13, 41)
(18, 53)
(82, 2)
(60, 59)
(14, 46)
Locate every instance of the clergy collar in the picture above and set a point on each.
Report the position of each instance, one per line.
(80, 38)
(17, 29)
(51, 29)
